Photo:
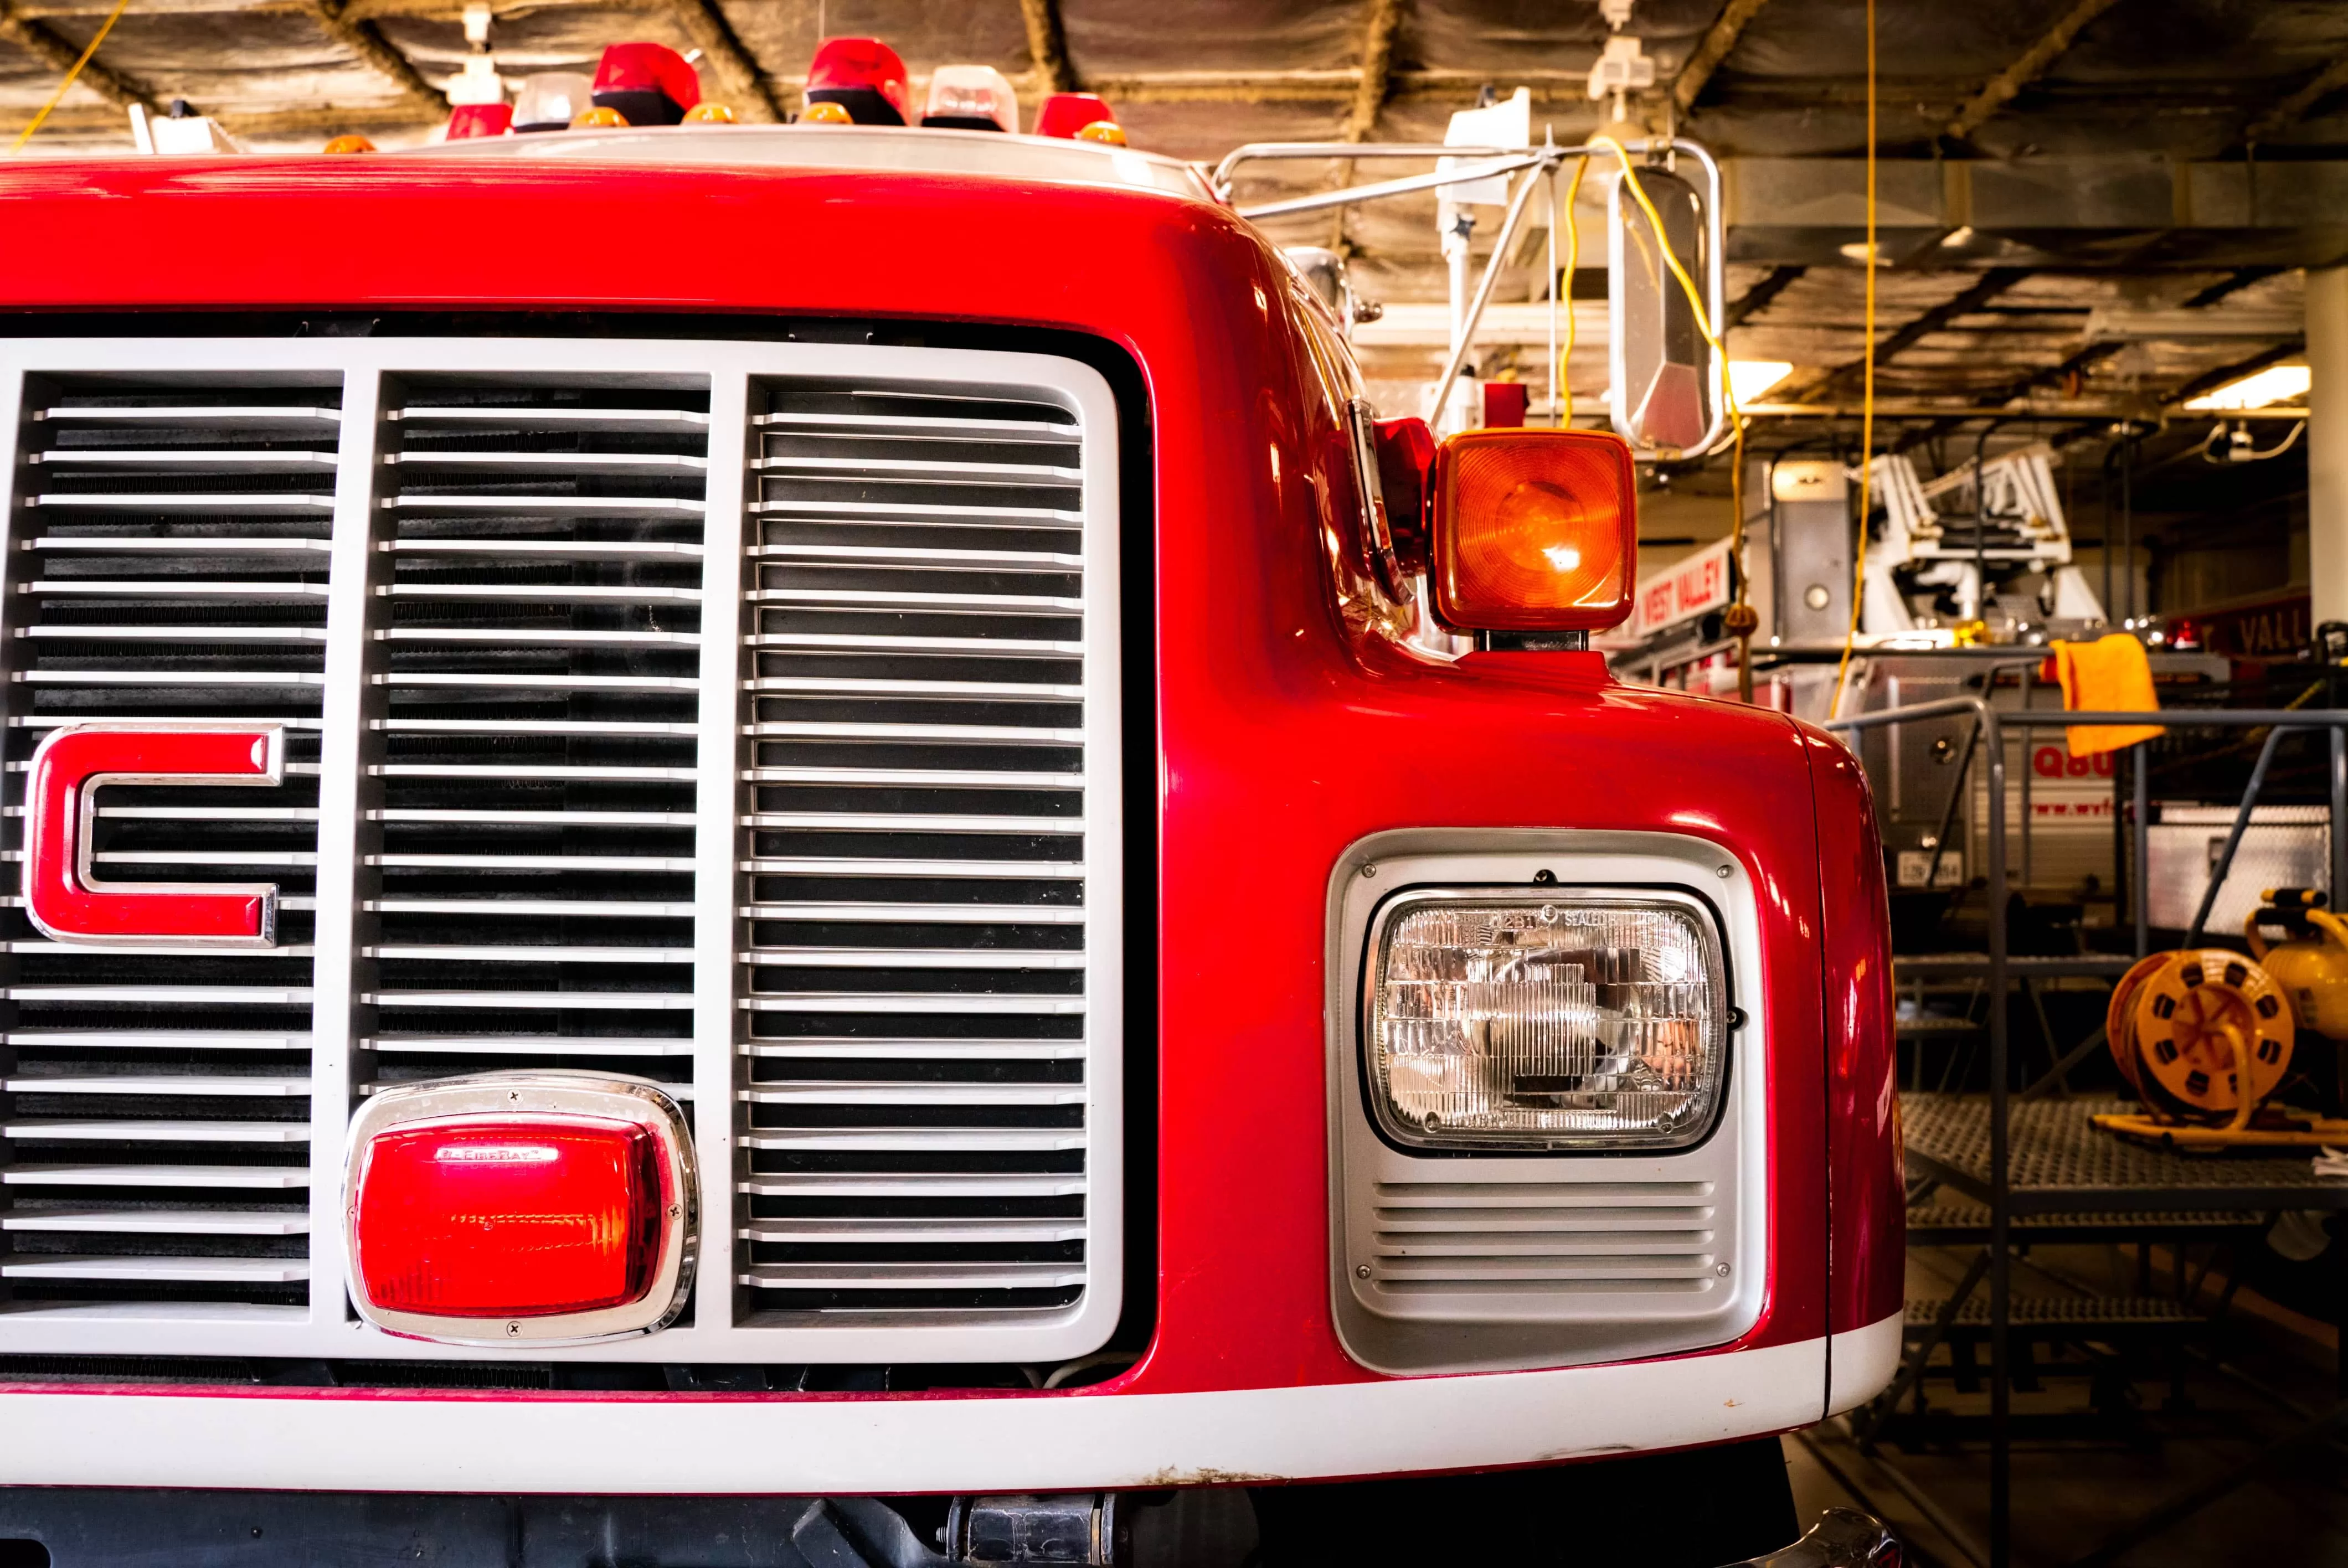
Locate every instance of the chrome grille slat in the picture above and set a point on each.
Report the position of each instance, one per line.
(171, 567)
(837, 894)
(31, 1174)
(157, 1222)
(38, 1130)
(242, 505)
(160, 1270)
(917, 962)
(537, 695)
(270, 1086)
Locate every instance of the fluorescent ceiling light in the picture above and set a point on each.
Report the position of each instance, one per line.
(2276, 384)
(1749, 378)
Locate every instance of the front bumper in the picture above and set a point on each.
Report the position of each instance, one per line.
(84, 1528)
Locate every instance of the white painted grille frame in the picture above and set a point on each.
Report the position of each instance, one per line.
(711, 1332)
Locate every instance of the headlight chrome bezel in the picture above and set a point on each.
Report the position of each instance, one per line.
(1707, 1103)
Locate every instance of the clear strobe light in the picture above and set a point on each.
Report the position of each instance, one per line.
(1578, 1021)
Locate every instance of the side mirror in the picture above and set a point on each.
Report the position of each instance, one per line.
(1662, 395)
(1534, 530)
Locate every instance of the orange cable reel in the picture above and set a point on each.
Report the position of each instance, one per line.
(2204, 1035)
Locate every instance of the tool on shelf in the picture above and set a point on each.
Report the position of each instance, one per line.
(2311, 963)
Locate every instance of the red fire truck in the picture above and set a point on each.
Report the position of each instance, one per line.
(740, 844)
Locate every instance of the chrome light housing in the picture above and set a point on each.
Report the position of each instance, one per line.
(1514, 1019)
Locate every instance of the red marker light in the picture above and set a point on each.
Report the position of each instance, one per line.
(1065, 115)
(63, 895)
(862, 76)
(648, 84)
(560, 1206)
(522, 1219)
(467, 121)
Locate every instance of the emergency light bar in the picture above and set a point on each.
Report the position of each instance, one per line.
(467, 121)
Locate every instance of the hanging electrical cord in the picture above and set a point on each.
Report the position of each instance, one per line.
(67, 86)
(1573, 265)
(1740, 621)
(1867, 393)
(2238, 448)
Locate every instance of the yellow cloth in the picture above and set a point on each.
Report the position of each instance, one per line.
(2109, 675)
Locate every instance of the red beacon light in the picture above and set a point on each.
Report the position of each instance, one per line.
(467, 121)
(534, 1207)
(1070, 115)
(647, 84)
(863, 76)
(971, 97)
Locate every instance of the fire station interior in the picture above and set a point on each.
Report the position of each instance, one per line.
(2034, 316)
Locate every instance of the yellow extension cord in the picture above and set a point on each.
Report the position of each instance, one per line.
(72, 76)
(1573, 265)
(1866, 396)
(1712, 341)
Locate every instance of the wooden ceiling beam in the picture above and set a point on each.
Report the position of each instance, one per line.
(1712, 50)
(746, 80)
(1376, 77)
(332, 119)
(2292, 109)
(364, 39)
(1987, 287)
(1758, 296)
(1048, 47)
(54, 50)
(2001, 88)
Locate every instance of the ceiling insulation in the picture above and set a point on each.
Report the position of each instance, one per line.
(2133, 99)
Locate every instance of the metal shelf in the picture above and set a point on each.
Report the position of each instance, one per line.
(2058, 1163)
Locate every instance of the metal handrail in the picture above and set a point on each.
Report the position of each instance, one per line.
(1991, 724)
(1321, 201)
(1263, 151)
(1543, 161)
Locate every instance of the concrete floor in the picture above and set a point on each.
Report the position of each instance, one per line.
(2071, 1495)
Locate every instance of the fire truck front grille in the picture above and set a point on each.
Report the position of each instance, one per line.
(916, 918)
(170, 566)
(537, 632)
(741, 716)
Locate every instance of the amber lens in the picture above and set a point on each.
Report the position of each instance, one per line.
(1536, 530)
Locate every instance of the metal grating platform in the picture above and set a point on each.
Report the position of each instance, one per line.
(2061, 1163)
(2033, 967)
(1953, 1223)
(2050, 1315)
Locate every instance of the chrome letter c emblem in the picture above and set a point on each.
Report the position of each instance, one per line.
(69, 904)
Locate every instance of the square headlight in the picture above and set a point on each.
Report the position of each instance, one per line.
(1560, 1019)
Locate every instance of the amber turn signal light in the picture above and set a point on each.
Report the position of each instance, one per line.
(1534, 530)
